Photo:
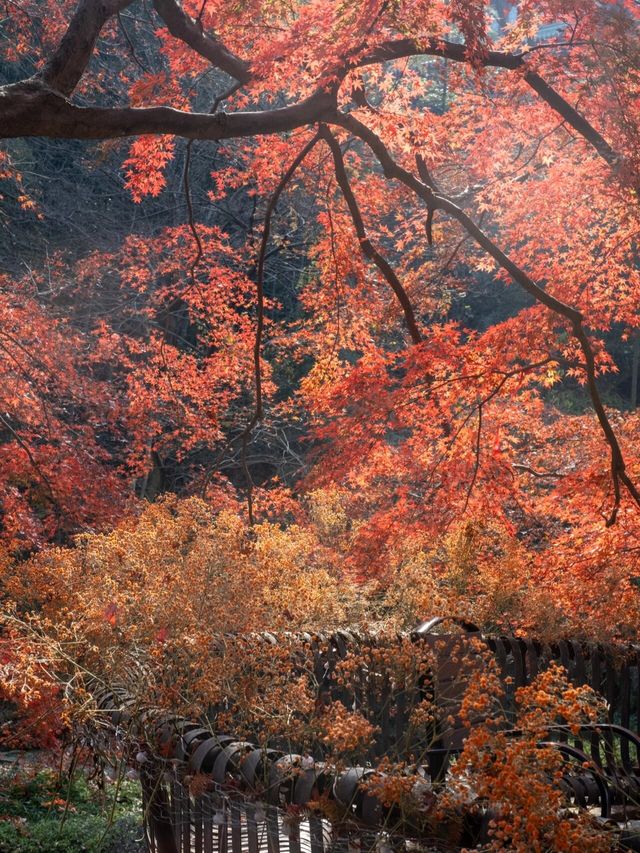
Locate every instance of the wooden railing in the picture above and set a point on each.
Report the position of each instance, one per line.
(205, 790)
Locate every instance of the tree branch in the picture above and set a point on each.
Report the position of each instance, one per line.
(572, 117)
(436, 201)
(402, 48)
(30, 108)
(257, 347)
(568, 312)
(527, 469)
(66, 66)
(368, 249)
(191, 220)
(476, 464)
(182, 26)
(33, 462)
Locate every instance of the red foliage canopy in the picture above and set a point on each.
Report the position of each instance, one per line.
(442, 144)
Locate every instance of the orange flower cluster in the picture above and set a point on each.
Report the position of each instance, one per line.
(518, 778)
(345, 732)
(396, 785)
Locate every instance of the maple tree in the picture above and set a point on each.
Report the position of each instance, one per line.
(380, 321)
(438, 145)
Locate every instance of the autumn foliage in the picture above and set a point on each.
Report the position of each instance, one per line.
(361, 346)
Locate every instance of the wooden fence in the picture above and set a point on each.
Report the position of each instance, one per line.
(257, 799)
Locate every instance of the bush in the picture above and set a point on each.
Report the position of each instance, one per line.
(33, 819)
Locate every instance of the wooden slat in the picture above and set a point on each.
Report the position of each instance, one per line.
(293, 834)
(533, 660)
(176, 812)
(316, 834)
(197, 825)
(273, 830)
(186, 821)
(253, 843)
(236, 827)
(207, 819)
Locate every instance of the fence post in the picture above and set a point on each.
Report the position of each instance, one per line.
(156, 807)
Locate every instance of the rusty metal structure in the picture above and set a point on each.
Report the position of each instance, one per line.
(259, 800)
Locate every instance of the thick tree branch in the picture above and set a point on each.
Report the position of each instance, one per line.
(618, 468)
(572, 117)
(436, 201)
(456, 51)
(32, 109)
(68, 63)
(402, 48)
(367, 247)
(182, 26)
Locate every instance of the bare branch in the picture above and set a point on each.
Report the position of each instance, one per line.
(456, 51)
(191, 221)
(618, 472)
(130, 44)
(476, 464)
(257, 347)
(572, 117)
(33, 462)
(527, 469)
(223, 97)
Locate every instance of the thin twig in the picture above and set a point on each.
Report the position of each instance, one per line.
(34, 463)
(191, 221)
(132, 49)
(476, 466)
(527, 469)
(257, 347)
(223, 97)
